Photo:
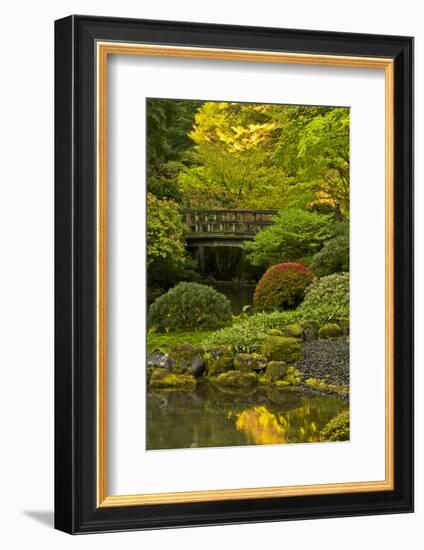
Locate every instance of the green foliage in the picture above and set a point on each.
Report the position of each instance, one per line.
(251, 155)
(232, 163)
(219, 178)
(189, 306)
(294, 234)
(332, 258)
(161, 182)
(337, 429)
(326, 299)
(167, 260)
(314, 147)
(165, 233)
(281, 348)
(247, 334)
(229, 159)
(168, 123)
(159, 116)
(282, 287)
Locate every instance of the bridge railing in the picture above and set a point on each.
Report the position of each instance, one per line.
(225, 222)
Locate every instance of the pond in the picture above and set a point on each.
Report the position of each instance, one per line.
(213, 416)
(239, 295)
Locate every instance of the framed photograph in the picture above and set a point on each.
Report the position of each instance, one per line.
(234, 274)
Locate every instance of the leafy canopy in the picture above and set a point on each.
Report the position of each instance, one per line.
(166, 254)
(294, 235)
(314, 148)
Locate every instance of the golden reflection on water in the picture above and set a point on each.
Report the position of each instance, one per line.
(263, 427)
(211, 417)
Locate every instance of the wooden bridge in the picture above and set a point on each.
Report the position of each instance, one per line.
(224, 227)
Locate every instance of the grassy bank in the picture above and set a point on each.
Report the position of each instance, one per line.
(166, 341)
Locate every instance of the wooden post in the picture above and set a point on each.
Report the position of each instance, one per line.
(201, 258)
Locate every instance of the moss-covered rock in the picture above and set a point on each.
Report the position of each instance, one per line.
(162, 378)
(149, 371)
(337, 429)
(342, 390)
(330, 330)
(237, 378)
(344, 324)
(295, 331)
(281, 348)
(276, 370)
(187, 359)
(292, 378)
(158, 359)
(310, 330)
(275, 332)
(248, 362)
(220, 360)
(280, 375)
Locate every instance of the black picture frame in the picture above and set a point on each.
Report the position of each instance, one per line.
(76, 510)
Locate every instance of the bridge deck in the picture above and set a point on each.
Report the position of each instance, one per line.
(233, 226)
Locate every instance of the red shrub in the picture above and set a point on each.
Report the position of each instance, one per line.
(282, 287)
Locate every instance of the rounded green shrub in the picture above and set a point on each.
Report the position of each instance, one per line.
(326, 299)
(330, 330)
(189, 306)
(332, 258)
(282, 287)
(281, 348)
(337, 429)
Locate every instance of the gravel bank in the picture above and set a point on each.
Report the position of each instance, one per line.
(327, 360)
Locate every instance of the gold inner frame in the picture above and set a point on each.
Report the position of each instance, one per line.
(104, 49)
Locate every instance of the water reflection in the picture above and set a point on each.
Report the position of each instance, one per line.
(217, 417)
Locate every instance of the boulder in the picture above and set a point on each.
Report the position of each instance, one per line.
(330, 330)
(248, 362)
(162, 378)
(220, 360)
(295, 331)
(344, 324)
(158, 359)
(276, 370)
(292, 378)
(310, 330)
(237, 378)
(281, 348)
(186, 359)
(275, 332)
